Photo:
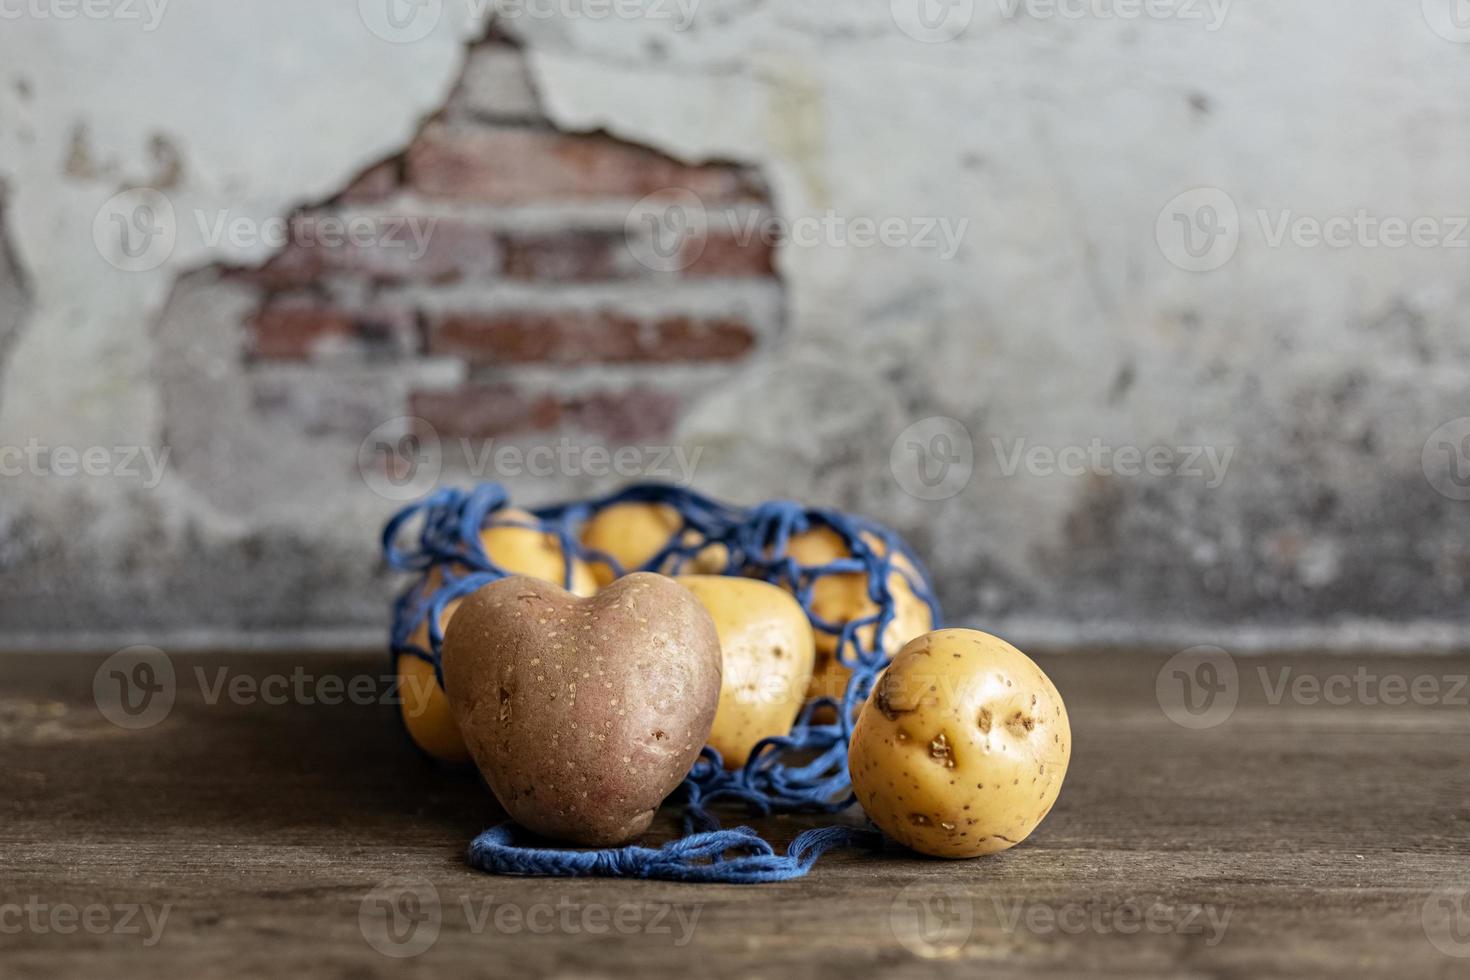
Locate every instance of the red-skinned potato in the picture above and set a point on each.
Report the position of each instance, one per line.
(583, 714)
(522, 550)
(962, 746)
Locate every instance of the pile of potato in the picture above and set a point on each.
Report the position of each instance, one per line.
(585, 709)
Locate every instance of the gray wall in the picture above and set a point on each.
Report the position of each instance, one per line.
(1178, 298)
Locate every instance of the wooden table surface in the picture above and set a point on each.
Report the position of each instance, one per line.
(1321, 827)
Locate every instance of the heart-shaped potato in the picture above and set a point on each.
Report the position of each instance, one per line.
(583, 714)
(766, 641)
(516, 548)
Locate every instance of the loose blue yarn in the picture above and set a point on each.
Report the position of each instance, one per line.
(802, 771)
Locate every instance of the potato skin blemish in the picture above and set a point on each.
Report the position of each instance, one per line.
(985, 748)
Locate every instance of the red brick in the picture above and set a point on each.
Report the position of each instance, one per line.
(296, 330)
(724, 256)
(374, 184)
(452, 250)
(571, 255)
(587, 254)
(510, 165)
(625, 416)
(483, 411)
(574, 337)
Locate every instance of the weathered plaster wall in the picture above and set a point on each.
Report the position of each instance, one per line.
(1063, 318)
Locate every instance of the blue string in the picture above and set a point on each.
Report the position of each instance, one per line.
(804, 770)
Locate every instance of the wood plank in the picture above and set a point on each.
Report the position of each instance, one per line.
(1314, 834)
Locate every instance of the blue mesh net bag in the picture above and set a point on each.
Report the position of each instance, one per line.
(438, 540)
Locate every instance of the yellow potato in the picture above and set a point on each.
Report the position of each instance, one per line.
(633, 532)
(962, 747)
(844, 597)
(518, 550)
(426, 712)
(767, 649)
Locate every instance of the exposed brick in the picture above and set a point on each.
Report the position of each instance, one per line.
(507, 165)
(445, 251)
(625, 416)
(577, 336)
(485, 411)
(570, 255)
(588, 254)
(725, 256)
(374, 184)
(299, 329)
